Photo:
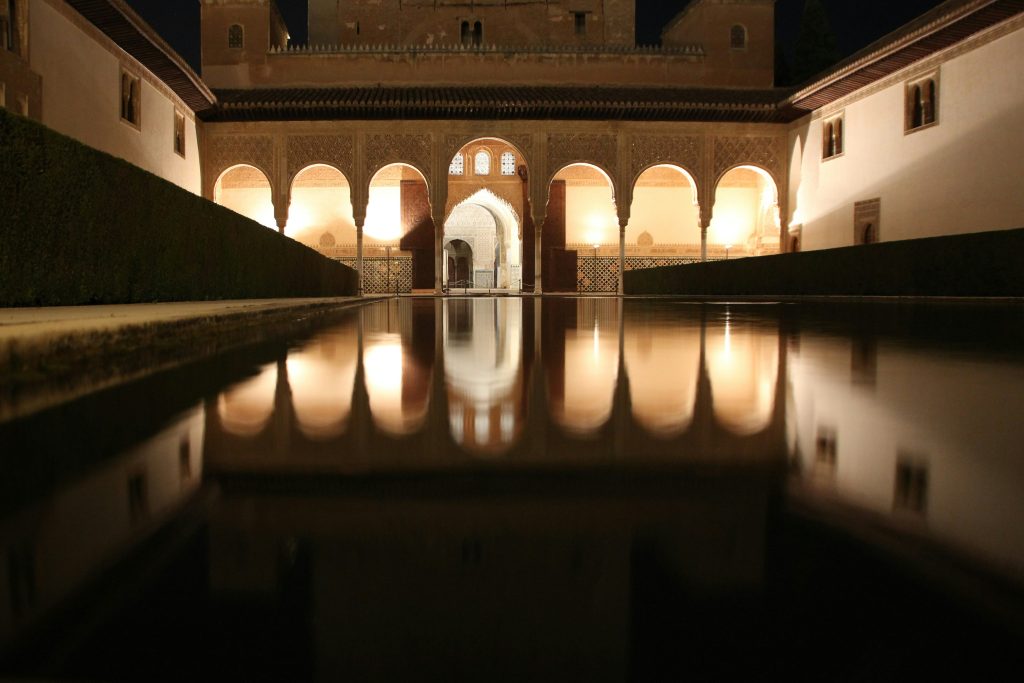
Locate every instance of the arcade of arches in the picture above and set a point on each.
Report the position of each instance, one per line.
(527, 212)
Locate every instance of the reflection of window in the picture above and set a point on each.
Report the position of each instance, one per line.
(138, 503)
(179, 133)
(185, 459)
(825, 449)
(911, 485)
(922, 103)
(580, 23)
(508, 163)
(236, 36)
(832, 137)
(482, 163)
(131, 98)
(738, 37)
(458, 165)
(21, 573)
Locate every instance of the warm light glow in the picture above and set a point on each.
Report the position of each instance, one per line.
(663, 363)
(743, 367)
(245, 190)
(245, 408)
(321, 378)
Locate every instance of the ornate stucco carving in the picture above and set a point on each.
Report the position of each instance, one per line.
(230, 150)
(335, 150)
(684, 150)
(765, 152)
(387, 148)
(565, 149)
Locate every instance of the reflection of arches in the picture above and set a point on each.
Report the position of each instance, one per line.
(743, 366)
(663, 363)
(665, 205)
(583, 390)
(320, 207)
(322, 377)
(245, 189)
(745, 216)
(398, 407)
(245, 408)
(458, 263)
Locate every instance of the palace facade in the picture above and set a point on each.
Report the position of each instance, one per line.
(532, 145)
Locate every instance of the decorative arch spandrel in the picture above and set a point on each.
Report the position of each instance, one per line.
(597, 149)
(337, 151)
(684, 151)
(383, 149)
(765, 152)
(226, 151)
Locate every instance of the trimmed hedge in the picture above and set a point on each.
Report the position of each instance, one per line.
(83, 227)
(984, 264)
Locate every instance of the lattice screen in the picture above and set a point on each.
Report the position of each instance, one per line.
(376, 277)
(602, 274)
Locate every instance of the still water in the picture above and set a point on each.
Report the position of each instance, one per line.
(513, 489)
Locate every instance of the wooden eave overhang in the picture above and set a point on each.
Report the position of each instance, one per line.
(941, 28)
(498, 103)
(133, 35)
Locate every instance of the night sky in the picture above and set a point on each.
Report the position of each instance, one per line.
(855, 22)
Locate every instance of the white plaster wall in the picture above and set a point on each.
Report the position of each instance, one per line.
(590, 216)
(81, 98)
(667, 213)
(316, 210)
(960, 176)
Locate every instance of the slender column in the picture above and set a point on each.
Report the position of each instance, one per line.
(537, 286)
(438, 250)
(281, 213)
(704, 224)
(359, 253)
(622, 255)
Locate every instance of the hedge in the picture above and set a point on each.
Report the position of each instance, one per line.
(83, 227)
(985, 264)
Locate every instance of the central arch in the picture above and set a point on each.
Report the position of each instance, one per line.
(488, 207)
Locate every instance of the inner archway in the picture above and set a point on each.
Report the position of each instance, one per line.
(487, 196)
(458, 264)
(490, 227)
(246, 190)
(746, 219)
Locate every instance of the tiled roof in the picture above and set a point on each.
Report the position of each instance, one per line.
(498, 103)
(133, 35)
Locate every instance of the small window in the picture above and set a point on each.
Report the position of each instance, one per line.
(482, 163)
(922, 103)
(832, 137)
(179, 133)
(508, 163)
(464, 34)
(478, 33)
(236, 37)
(9, 26)
(580, 22)
(131, 99)
(738, 37)
(458, 165)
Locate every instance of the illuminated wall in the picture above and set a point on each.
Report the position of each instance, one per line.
(664, 206)
(245, 190)
(590, 216)
(745, 213)
(320, 213)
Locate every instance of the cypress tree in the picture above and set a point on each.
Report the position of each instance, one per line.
(816, 48)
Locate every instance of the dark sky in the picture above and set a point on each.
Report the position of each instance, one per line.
(855, 22)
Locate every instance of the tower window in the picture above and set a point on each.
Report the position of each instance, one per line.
(508, 163)
(922, 103)
(9, 25)
(482, 163)
(458, 165)
(236, 37)
(580, 22)
(478, 33)
(738, 37)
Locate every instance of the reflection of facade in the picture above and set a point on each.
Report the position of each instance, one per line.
(483, 361)
(62, 541)
(878, 428)
(861, 154)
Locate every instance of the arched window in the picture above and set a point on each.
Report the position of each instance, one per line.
(236, 36)
(508, 163)
(482, 163)
(738, 37)
(464, 33)
(830, 141)
(8, 23)
(478, 33)
(131, 98)
(929, 103)
(458, 165)
(837, 134)
(917, 115)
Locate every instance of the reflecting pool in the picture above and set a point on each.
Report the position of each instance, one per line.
(535, 489)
